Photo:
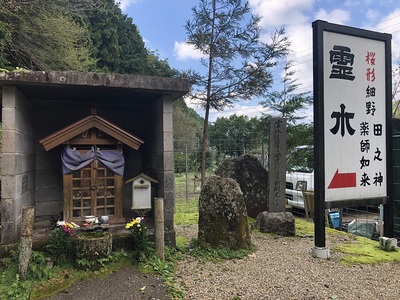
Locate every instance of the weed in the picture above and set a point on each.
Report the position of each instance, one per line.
(60, 244)
(38, 269)
(11, 285)
(165, 268)
(216, 254)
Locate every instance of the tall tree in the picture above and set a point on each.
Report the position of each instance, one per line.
(236, 60)
(43, 37)
(187, 125)
(83, 35)
(396, 84)
(231, 135)
(286, 101)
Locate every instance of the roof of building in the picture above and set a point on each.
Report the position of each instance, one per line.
(116, 90)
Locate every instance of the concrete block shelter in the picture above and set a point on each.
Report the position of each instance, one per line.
(46, 113)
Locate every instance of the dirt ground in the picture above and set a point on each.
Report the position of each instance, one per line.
(125, 284)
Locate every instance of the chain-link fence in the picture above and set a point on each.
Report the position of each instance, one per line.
(366, 220)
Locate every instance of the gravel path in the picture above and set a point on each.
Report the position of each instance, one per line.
(283, 268)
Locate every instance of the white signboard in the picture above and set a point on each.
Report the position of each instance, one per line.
(354, 117)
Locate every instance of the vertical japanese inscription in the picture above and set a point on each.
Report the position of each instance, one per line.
(277, 165)
(355, 135)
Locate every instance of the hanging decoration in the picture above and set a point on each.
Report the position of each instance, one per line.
(72, 160)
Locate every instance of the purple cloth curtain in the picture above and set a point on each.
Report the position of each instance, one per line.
(72, 160)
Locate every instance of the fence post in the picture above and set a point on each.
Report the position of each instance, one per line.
(25, 254)
(159, 226)
(187, 174)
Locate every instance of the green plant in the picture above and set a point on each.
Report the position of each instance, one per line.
(140, 239)
(59, 245)
(165, 268)
(93, 264)
(11, 285)
(216, 254)
(38, 269)
(64, 275)
(113, 257)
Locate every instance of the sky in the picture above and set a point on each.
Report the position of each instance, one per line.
(161, 24)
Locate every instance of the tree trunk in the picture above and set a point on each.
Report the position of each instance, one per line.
(208, 99)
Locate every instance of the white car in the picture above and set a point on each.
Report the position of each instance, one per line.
(300, 175)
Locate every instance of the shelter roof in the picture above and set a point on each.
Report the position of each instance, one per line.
(60, 88)
(93, 121)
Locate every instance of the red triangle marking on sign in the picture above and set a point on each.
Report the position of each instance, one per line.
(343, 180)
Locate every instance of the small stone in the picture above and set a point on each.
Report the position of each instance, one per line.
(281, 223)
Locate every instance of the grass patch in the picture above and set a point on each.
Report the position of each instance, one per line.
(365, 251)
(181, 242)
(186, 210)
(357, 249)
(63, 276)
(217, 254)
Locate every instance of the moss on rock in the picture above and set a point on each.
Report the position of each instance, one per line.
(222, 214)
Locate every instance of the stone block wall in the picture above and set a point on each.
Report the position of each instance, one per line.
(160, 160)
(18, 162)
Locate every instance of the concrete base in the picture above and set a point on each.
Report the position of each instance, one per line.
(387, 244)
(320, 252)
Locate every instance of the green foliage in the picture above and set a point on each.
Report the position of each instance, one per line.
(301, 159)
(44, 37)
(216, 254)
(236, 61)
(64, 275)
(82, 35)
(156, 66)
(60, 245)
(187, 126)
(152, 263)
(11, 285)
(5, 39)
(186, 212)
(299, 134)
(287, 102)
(140, 239)
(357, 250)
(96, 263)
(93, 264)
(365, 251)
(38, 269)
(235, 135)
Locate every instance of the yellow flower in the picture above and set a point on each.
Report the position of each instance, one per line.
(132, 223)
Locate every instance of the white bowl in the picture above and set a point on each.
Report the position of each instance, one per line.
(90, 219)
(104, 219)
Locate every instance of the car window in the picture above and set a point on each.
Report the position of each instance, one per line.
(301, 159)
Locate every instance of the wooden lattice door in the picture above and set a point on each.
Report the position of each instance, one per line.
(93, 190)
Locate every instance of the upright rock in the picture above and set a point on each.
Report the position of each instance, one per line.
(252, 178)
(222, 214)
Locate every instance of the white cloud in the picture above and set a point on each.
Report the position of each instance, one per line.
(372, 15)
(338, 16)
(301, 55)
(123, 4)
(390, 24)
(237, 109)
(183, 51)
(243, 110)
(282, 12)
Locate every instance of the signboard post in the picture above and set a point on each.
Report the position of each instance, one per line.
(352, 120)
